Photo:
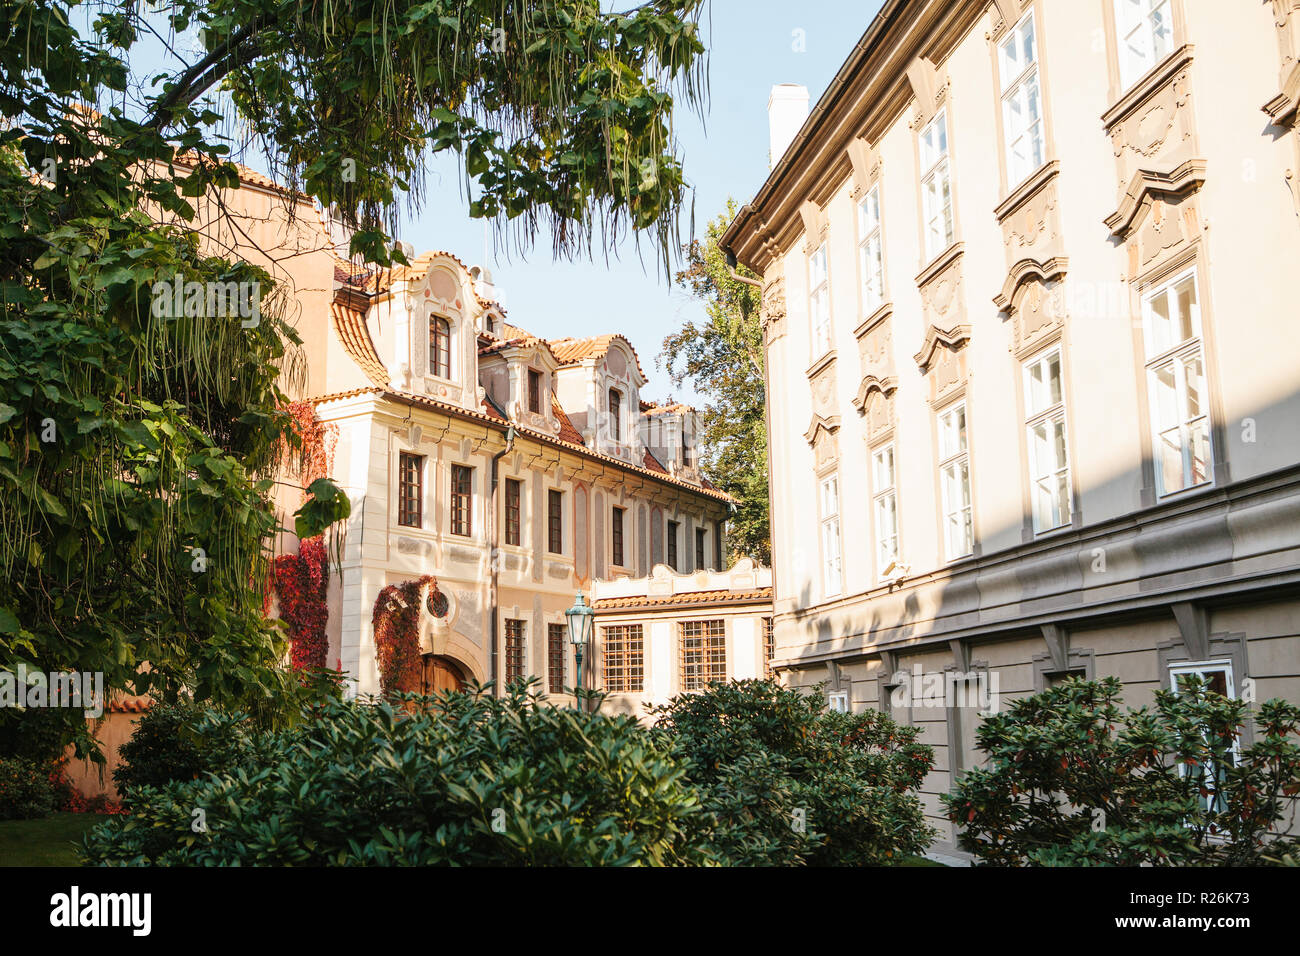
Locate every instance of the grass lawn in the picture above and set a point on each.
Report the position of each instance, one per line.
(45, 842)
(918, 861)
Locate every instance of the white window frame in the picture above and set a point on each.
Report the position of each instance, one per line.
(819, 300)
(1050, 416)
(832, 551)
(871, 251)
(936, 186)
(1200, 669)
(1021, 91)
(1144, 35)
(838, 702)
(884, 502)
(954, 468)
(1177, 356)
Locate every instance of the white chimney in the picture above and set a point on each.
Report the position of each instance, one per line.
(787, 108)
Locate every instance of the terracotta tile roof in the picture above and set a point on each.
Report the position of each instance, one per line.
(664, 409)
(561, 441)
(652, 463)
(567, 431)
(686, 599)
(246, 174)
(385, 278)
(350, 327)
(120, 703)
(573, 351)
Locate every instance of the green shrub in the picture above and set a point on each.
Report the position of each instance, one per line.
(1071, 781)
(26, 789)
(460, 779)
(786, 782)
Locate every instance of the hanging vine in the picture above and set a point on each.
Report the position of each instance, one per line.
(311, 456)
(396, 622)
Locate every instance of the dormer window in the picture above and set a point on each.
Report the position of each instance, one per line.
(616, 414)
(439, 347)
(534, 391)
(687, 461)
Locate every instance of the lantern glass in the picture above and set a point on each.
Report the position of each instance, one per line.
(580, 622)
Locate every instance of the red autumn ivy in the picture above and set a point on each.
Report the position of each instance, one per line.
(396, 621)
(301, 581)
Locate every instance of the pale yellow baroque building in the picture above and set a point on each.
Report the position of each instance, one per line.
(1030, 307)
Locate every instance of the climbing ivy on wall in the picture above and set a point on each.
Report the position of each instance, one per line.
(396, 621)
(301, 581)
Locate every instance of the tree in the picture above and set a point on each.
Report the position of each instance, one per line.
(724, 360)
(137, 445)
(1070, 780)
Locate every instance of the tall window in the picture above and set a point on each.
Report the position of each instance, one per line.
(954, 481)
(624, 659)
(616, 527)
(688, 456)
(830, 501)
(703, 653)
(515, 650)
(534, 391)
(1171, 320)
(410, 490)
(554, 522)
(556, 635)
(936, 188)
(717, 546)
(885, 505)
(1022, 109)
(514, 499)
(819, 301)
(1049, 468)
(699, 549)
(769, 647)
(440, 347)
(616, 414)
(870, 251)
(673, 531)
(1146, 36)
(462, 496)
(1217, 677)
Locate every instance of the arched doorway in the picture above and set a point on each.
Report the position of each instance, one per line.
(439, 674)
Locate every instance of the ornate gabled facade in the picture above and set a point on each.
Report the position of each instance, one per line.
(1029, 303)
(514, 470)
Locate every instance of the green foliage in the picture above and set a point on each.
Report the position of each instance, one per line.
(724, 360)
(785, 782)
(460, 779)
(1070, 780)
(26, 790)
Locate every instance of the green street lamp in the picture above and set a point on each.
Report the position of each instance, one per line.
(580, 618)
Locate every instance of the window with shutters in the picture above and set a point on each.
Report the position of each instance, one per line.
(462, 498)
(554, 522)
(439, 347)
(514, 499)
(410, 490)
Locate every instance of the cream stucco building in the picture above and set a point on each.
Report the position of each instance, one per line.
(1029, 284)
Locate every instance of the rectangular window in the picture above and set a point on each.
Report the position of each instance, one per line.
(1022, 108)
(830, 502)
(624, 659)
(936, 188)
(616, 527)
(819, 302)
(699, 549)
(838, 702)
(673, 531)
(514, 499)
(515, 650)
(554, 522)
(462, 497)
(1146, 36)
(703, 653)
(534, 391)
(954, 481)
(885, 505)
(871, 252)
(616, 414)
(717, 546)
(1049, 468)
(769, 647)
(556, 636)
(1217, 677)
(1180, 419)
(410, 490)
(439, 347)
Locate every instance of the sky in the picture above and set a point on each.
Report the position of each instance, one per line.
(752, 46)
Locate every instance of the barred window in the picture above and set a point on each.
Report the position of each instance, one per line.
(555, 637)
(461, 495)
(440, 347)
(410, 490)
(703, 653)
(514, 650)
(624, 658)
(769, 647)
(513, 498)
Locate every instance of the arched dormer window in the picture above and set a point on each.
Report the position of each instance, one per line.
(439, 346)
(616, 414)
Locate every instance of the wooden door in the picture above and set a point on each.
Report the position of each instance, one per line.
(440, 674)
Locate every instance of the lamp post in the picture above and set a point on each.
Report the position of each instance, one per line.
(580, 618)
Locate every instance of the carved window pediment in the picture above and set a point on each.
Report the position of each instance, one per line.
(942, 289)
(865, 162)
(816, 225)
(929, 87)
(1037, 314)
(822, 437)
(1161, 230)
(1028, 271)
(942, 360)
